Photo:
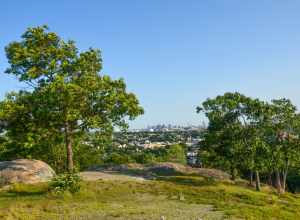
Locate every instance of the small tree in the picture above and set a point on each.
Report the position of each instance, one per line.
(176, 153)
(223, 143)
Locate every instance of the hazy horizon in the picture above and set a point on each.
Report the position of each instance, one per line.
(174, 54)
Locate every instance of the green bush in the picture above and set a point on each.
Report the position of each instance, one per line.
(119, 158)
(173, 153)
(176, 153)
(66, 182)
(3, 181)
(293, 183)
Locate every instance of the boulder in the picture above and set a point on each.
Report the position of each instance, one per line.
(24, 171)
(169, 168)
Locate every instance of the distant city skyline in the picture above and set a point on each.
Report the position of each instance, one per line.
(174, 54)
(169, 126)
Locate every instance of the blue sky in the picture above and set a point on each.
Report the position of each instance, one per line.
(173, 53)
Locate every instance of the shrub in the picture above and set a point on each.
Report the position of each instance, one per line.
(176, 153)
(3, 181)
(66, 182)
(293, 183)
(119, 158)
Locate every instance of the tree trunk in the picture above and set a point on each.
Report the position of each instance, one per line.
(70, 164)
(270, 181)
(284, 175)
(257, 181)
(251, 178)
(278, 182)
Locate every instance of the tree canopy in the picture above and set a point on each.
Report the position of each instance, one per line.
(66, 98)
(246, 134)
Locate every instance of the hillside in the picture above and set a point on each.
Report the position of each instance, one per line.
(177, 197)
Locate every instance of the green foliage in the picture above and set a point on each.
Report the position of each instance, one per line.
(119, 158)
(85, 156)
(249, 134)
(176, 153)
(293, 178)
(173, 153)
(70, 182)
(68, 101)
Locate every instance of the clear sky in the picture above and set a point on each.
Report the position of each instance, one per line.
(174, 53)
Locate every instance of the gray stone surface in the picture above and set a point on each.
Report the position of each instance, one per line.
(24, 171)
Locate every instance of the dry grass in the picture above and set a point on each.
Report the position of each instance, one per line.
(174, 197)
(165, 169)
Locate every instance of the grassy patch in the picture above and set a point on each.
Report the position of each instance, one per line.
(175, 197)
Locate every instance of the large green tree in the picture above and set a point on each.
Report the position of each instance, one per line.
(67, 97)
(223, 140)
(249, 134)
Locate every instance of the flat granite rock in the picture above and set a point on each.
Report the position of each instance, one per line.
(25, 171)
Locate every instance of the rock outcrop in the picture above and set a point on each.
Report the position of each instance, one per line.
(168, 168)
(24, 171)
(162, 169)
